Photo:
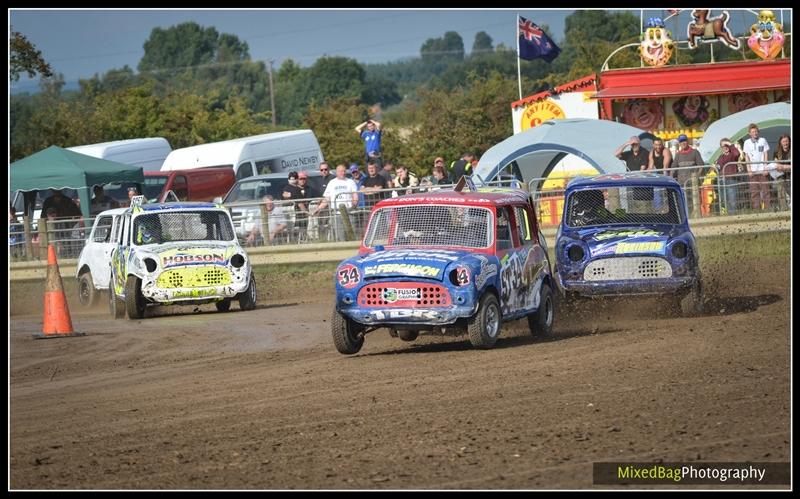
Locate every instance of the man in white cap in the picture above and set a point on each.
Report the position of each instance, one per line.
(636, 158)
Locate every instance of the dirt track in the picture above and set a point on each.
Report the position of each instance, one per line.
(261, 400)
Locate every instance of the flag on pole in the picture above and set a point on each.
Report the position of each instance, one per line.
(534, 43)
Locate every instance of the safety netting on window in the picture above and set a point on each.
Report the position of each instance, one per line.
(624, 206)
(430, 225)
(201, 225)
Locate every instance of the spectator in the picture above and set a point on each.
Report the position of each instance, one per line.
(756, 150)
(276, 223)
(784, 171)
(405, 178)
(374, 185)
(341, 191)
(685, 157)
(386, 171)
(461, 167)
(301, 207)
(63, 206)
(371, 137)
(727, 164)
(327, 176)
(440, 177)
(101, 201)
(291, 190)
(16, 233)
(636, 158)
(65, 220)
(132, 191)
(660, 157)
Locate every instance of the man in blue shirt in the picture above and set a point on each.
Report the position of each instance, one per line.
(371, 137)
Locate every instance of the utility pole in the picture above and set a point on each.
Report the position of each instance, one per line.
(272, 93)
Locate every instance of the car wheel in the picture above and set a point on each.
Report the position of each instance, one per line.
(134, 301)
(393, 332)
(347, 336)
(692, 305)
(115, 305)
(247, 298)
(541, 322)
(484, 326)
(87, 294)
(223, 305)
(407, 335)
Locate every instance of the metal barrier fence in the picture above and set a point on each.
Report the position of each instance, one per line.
(707, 190)
(708, 193)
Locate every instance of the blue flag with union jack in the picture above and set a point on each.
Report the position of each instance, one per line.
(534, 43)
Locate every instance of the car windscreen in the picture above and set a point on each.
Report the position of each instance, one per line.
(153, 186)
(170, 226)
(256, 189)
(628, 205)
(430, 225)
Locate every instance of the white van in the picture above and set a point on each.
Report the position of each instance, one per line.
(260, 154)
(149, 153)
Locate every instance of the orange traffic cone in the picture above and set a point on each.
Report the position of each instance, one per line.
(57, 322)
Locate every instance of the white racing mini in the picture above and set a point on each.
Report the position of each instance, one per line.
(165, 254)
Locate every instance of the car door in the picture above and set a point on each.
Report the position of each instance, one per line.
(533, 246)
(119, 254)
(98, 251)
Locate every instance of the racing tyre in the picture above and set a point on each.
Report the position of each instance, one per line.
(393, 332)
(134, 301)
(346, 334)
(223, 305)
(247, 298)
(407, 335)
(87, 294)
(692, 304)
(541, 322)
(484, 326)
(115, 305)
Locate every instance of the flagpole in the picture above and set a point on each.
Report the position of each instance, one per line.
(519, 71)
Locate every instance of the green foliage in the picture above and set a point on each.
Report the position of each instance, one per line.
(450, 46)
(334, 122)
(482, 43)
(23, 57)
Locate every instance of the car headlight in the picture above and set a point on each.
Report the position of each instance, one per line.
(575, 252)
(680, 249)
(237, 260)
(460, 276)
(150, 265)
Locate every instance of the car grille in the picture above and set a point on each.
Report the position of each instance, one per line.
(194, 277)
(633, 267)
(425, 295)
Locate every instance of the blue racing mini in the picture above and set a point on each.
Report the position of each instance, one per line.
(628, 235)
(445, 260)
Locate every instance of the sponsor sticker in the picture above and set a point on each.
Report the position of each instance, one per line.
(348, 276)
(641, 247)
(391, 295)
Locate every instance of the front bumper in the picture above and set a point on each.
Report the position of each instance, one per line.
(627, 287)
(393, 316)
(195, 284)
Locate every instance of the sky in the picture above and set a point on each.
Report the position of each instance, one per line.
(81, 43)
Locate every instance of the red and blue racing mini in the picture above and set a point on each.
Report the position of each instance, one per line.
(466, 261)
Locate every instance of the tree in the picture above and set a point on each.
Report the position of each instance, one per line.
(482, 43)
(449, 47)
(25, 58)
(332, 123)
(190, 45)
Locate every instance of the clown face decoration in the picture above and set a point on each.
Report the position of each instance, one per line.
(644, 114)
(656, 46)
(691, 110)
(766, 38)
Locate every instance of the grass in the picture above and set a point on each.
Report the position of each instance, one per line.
(735, 248)
(276, 280)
